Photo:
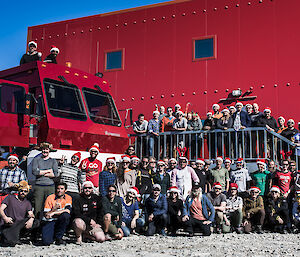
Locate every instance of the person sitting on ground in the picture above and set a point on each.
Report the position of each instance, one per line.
(45, 170)
(277, 213)
(167, 121)
(112, 214)
(296, 210)
(161, 177)
(57, 216)
(218, 200)
(32, 55)
(51, 58)
(70, 174)
(253, 211)
(11, 175)
(108, 175)
(241, 177)
(183, 177)
(261, 177)
(92, 166)
(175, 210)
(156, 208)
(220, 174)
(16, 215)
(198, 212)
(233, 217)
(131, 219)
(88, 218)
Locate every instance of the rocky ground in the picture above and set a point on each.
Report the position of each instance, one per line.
(253, 245)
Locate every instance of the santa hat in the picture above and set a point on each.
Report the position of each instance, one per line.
(161, 162)
(234, 185)
(219, 158)
(249, 105)
(227, 160)
(78, 154)
(261, 161)
(86, 183)
(225, 110)
(291, 121)
(239, 103)
(297, 192)
(253, 188)
(173, 159)
(95, 147)
(200, 160)
(179, 112)
(209, 112)
(267, 109)
(111, 159)
(157, 112)
(281, 118)
(135, 191)
(125, 158)
(134, 158)
(32, 43)
(14, 156)
(217, 185)
(239, 160)
(177, 105)
(183, 158)
(54, 48)
(174, 189)
(275, 189)
(232, 108)
(216, 105)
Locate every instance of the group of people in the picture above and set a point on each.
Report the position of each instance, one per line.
(144, 196)
(237, 117)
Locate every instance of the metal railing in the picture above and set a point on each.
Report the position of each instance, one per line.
(249, 144)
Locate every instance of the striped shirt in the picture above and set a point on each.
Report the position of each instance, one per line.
(72, 176)
(15, 176)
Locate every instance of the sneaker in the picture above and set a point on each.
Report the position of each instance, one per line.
(60, 242)
(259, 229)
(163, 232)
(239, 230)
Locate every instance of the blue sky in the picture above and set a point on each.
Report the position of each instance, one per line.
(18, 15)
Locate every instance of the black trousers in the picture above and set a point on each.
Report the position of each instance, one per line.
(193, 225)
(174, 223)
(159, 222)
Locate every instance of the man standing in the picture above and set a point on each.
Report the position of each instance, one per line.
(70, 174)
(87, 211)
(172, 166)
(140, 126)
(217, 114)
(203, 175)
(91, 166)
(180, 123)
(10, 176)
(32, 55)
(241, 177)
(45, 169)
(156, 208)
(261, 178)
(153, 131)
(183, 177)
(167, 121)
(161, 177)
(51, 58)
(283, 179)
(220, 174)
(56, 215)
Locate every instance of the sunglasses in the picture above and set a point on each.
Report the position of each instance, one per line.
(152, 162)
(109, 191)
(87, 188)
(156, 189)
(24, 191)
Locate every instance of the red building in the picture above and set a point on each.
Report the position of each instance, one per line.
(182, 51)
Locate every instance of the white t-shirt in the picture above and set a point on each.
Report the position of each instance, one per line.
(240, 177)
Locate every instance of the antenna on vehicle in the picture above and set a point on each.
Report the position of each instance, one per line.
(62, 78)
(99, 88)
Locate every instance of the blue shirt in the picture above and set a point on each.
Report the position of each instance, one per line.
(157, 208)
(106, 178)
(128, 211)
(153, 126)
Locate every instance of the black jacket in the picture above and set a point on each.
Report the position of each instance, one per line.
(26, 58)
(51, 58)
(114, 208)
(263, 121)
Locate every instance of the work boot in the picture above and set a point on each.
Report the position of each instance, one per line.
(259, 229)
(239, 230)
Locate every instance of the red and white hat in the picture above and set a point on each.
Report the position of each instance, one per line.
(232, 108)
(239, 103)
(183, 158)
(219, 158)
(261, 161)
(225, 110)
(95, 147)
(32, 43)
(161, 162)
(267, 109)
(111, 159)
(227, 160)
(253, 188)
(157, 112)
(217, 185)
(275, 189)
(54, 48)
(249, 105)
(125, 158)
(87, 183)
(135, 191)
(174, 189)
(234, 186)
(134, 158)
(200, 160)
(216, 105)
(177, 105)
(14, 156)
(239, 160)
(173, 159)
(209, 112)
(179, 112)
(78, 154)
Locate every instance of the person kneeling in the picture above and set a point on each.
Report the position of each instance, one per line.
(87, 211)
(112, 214)
(156, 208)
(198, 212)
(130, 212)
(56, 215)
(234, 211)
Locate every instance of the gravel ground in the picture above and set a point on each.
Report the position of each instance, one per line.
(253, 245)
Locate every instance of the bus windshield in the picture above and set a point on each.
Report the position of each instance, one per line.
(101, 107)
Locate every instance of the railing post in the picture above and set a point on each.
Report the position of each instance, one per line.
(265, 144)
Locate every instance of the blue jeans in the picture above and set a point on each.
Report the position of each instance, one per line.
(127, 229)
(55, 226)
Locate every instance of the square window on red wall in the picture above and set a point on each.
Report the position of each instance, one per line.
(205, 48)
(114, 60)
